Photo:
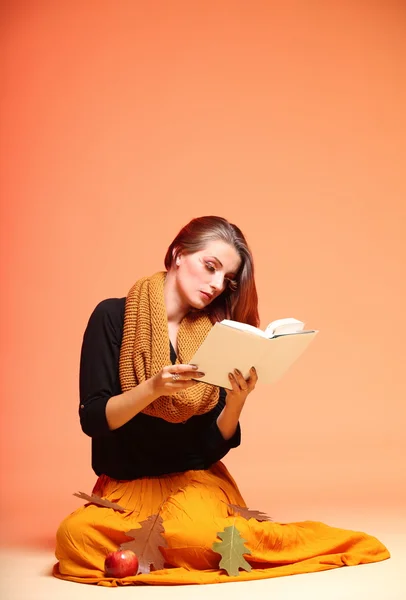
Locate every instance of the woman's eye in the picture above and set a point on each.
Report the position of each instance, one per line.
(210, 267)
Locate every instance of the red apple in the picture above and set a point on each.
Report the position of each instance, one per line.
(121, 563)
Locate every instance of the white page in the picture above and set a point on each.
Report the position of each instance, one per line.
(243, 327)
(284, 326)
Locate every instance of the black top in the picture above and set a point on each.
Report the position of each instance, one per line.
(145, 445)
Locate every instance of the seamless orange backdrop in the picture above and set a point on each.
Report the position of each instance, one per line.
(123, 120)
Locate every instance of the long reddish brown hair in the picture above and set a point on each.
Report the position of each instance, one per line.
(240, 304)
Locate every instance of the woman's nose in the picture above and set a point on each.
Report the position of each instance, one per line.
(217, 282)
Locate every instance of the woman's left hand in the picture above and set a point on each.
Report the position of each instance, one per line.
(240, 387)
(227, 420)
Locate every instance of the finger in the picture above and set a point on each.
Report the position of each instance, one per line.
(234, 385)
(179, 377)
(240, 380)
(182, 368)
(189, 377)
(252, 381)
(193, 375)
(251, 386)
(253, 375)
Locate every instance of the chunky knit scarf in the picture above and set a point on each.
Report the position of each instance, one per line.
(145, 350)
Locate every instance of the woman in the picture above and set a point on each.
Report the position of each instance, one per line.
(158, 434)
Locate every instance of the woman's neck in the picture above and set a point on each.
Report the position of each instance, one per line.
(176, 310)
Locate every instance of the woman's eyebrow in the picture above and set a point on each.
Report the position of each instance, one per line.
(219, 261)
(221, 264)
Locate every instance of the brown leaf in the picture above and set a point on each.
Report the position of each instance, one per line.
(94, 499)
(249, 514)
(231, 549)
(146, 543)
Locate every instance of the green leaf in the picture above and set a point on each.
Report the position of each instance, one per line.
(231, 550)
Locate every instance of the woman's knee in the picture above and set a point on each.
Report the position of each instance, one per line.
(70, 530)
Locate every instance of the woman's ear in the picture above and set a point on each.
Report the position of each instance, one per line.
(176, 257)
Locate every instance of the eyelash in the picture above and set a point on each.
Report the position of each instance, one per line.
(231, 283)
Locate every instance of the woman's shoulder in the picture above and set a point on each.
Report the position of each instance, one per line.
(108, 313)
(110, 306)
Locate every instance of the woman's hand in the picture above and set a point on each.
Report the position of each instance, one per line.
(227, 421)
(170, 380)
(240, 387)
(174, 378)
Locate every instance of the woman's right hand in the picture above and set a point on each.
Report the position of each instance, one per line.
(174, 378)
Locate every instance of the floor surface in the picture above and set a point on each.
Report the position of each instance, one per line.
(25, 575)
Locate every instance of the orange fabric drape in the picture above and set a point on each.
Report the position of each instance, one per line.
(194, 509)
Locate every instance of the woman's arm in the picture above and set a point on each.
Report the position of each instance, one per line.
(227, 421)
(103, 406)
(120, 409)
(224, 432)
(99, 361)
(214, 443)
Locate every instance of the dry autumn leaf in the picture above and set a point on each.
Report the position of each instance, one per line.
(231, 549)
(94, 499)
(146, 544)
(248, 513)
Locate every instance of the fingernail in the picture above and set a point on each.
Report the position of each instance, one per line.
(194, 366)
(200, 374)
(253, 369)
(238, 372)
(231, 376)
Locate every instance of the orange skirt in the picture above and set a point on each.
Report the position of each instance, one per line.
(194, 510)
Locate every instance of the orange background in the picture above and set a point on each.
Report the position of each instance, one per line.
(123, 120)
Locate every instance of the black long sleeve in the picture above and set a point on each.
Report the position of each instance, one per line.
(145, 446)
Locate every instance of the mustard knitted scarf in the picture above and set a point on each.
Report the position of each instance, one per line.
(145, 350)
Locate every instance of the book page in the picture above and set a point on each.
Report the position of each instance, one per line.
(243, 327)
(283, 327)
(280, 353)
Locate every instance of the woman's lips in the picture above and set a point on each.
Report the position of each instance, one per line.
(206, 295)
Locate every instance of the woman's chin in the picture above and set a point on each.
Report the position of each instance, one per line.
(198, 304)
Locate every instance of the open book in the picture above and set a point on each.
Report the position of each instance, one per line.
(232, 345)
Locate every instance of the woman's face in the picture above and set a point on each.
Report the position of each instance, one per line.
(204, 275)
